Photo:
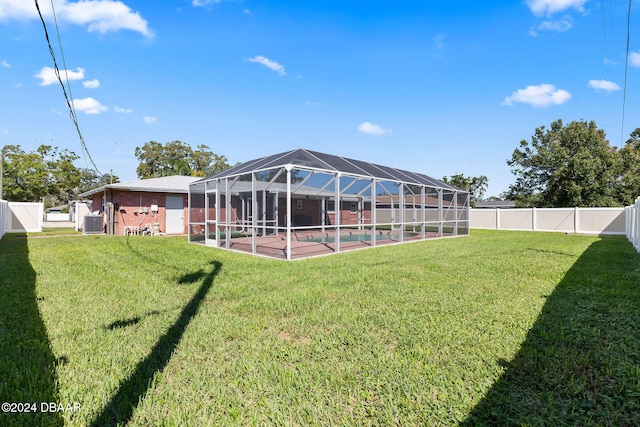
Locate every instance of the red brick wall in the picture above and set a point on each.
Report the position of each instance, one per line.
(311, 208)
(349, 218)
(130, 206)
(197, 208)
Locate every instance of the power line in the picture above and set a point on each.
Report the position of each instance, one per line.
(604, 29)
(64, 62)
(611, 14)
(68, 98)
(626, 67)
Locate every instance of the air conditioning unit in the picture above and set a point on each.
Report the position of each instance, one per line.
(93, 224)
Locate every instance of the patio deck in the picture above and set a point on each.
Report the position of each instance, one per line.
(303, 244)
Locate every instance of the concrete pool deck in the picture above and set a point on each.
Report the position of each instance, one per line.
(305, 243)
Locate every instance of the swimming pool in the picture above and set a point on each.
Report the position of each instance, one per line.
(351, 237)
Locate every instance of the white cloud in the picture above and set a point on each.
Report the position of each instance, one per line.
(122, 110)
(89, 106)
(604, 85)
(47, 75)
(549, 7)
(372, 129)
(538, 96)
(272, 65)
(98, 15)
(204, 3)
(560, 26)
(5, 64)
(17, 9)
(150, 120)
(438, 41)
(634, 58)
(91, 84)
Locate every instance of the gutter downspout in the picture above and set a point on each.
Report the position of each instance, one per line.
(104, 209)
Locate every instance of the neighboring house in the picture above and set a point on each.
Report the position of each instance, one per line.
(159, 205)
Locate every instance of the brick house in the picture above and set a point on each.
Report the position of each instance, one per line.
(158, 205)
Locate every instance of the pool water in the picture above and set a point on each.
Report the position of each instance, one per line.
(330, 237)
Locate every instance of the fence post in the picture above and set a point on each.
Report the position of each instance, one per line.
(636, 216)
(632, 224)
(576, 222)
(533, 219)
(4, 212)
(497, 218)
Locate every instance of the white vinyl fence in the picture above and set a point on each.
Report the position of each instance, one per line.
(16, 217)
(57, 217)
(568, 220)
(633, 224)
(24, 216)
(4, 214)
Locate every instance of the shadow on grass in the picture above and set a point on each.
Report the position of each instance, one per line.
(132, 390)
(579, 364)
(118, 324)
(27, 363)
(124, 323)
(142, 254)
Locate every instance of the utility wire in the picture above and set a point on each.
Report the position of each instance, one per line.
(68, 98)
(611, 15)
(66, 69)
(626, 67)
(604, 29)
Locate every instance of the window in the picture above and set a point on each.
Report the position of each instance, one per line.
(353, 208)
(331, 206)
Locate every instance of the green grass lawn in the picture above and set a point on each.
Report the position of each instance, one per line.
(57, 231)
(498, 328)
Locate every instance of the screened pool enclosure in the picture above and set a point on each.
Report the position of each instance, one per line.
(303, 203)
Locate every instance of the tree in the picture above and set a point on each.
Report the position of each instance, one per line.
(565, 166)
(65, 175)
(629, 186)
(177, 158)
(207, 163)
(49, 171)
(89, 180)
(25, 175)
(475, 185)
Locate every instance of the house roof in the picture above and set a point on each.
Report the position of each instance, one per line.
(165, 184)
(328, 162)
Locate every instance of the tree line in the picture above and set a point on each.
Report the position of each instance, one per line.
(177, 158)
(46, 172)
(50, 172)
(563, 165)
(568, 165)
(575, 165)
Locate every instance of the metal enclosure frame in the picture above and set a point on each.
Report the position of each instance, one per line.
(304, 203)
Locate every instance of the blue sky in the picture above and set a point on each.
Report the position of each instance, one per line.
(432, 87)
